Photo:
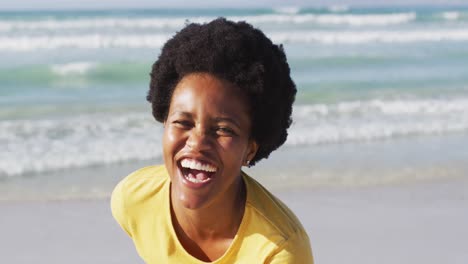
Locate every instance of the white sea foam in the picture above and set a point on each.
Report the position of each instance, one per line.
(94, 41)
(377, 119)
(45, 145)
(451, 15)
(333, 19)
(364, 20)
(338, 8)
(73, 68)
(286, 15)
(362, 37)
(95, 23)
(291, 10)
(396, 107)
(135, 41)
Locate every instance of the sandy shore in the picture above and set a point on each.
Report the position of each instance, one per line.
(423, 223)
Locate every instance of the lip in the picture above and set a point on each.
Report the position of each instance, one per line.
(195, 185)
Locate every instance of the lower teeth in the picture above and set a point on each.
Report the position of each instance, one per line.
(195, 180)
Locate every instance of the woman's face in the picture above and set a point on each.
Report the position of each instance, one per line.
(206, 141)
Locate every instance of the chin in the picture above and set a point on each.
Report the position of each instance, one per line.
(189, 200)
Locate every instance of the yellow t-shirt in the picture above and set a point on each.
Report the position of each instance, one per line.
(269, 231)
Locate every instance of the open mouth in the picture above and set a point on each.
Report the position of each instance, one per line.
(197, 172)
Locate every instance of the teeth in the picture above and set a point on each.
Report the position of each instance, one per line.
(195, 165)
(195, 180)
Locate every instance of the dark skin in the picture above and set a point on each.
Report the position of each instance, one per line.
(208, 246)
(208, 123)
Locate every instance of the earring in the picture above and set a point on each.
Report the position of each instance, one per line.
(247, 163)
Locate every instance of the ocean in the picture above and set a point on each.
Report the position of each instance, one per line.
(382, 96)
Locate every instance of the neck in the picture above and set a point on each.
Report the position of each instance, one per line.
(219, 220)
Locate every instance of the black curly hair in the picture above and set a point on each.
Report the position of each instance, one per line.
(240, 54)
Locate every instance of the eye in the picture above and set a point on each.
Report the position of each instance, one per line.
(181, 123)
(225, 131)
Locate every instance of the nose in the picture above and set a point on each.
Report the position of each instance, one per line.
(199, 139)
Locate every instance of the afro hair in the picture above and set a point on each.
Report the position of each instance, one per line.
(240, 54)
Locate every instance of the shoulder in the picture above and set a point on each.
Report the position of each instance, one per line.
(141, 184)
(271, 209)
(136, 192)
(150, 173)
(278, 224)
(143, 180)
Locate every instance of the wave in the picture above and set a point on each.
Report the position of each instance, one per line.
(338, 19)
(290, 10)
(89, 71)
(363, 37)
(388, 107)
(31, 146)
(96, 23)
(79, 68)
(292, 15)
(377, 120)
(286, 15)
(338, 8)
(135, 41)
(93, 41)
(451, 15)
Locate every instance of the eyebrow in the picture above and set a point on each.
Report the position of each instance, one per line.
(227, 119)
(182, 113)
(216, 119)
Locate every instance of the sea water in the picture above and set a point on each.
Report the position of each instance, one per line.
(382, 95)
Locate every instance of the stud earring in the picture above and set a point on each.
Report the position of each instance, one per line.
(247, 163)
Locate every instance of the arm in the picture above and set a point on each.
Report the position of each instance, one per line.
(118, 207)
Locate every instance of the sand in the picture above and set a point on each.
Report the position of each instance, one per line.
(424, 223)
(418, 223)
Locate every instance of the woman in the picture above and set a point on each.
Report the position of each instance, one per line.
(224, 94)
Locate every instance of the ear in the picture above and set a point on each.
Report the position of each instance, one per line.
(251, 152)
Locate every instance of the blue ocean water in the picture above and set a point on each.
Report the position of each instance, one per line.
(73, 83)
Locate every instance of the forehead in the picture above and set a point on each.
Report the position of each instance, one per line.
(205, 92)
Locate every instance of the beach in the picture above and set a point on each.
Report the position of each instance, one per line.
(375, 164)
(417, 220)
(423, 223)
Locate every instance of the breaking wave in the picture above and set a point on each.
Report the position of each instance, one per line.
(138, 41)
(376, 120)
(30, 146)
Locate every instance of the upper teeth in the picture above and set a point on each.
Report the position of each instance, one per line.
(195, 165)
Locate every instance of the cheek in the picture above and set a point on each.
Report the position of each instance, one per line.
(168, 137)
(169, 142)
(233, 149)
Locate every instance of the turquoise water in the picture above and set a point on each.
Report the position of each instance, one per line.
(73, 83)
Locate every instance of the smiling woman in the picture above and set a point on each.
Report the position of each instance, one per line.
(206, 141)
(224, 94)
